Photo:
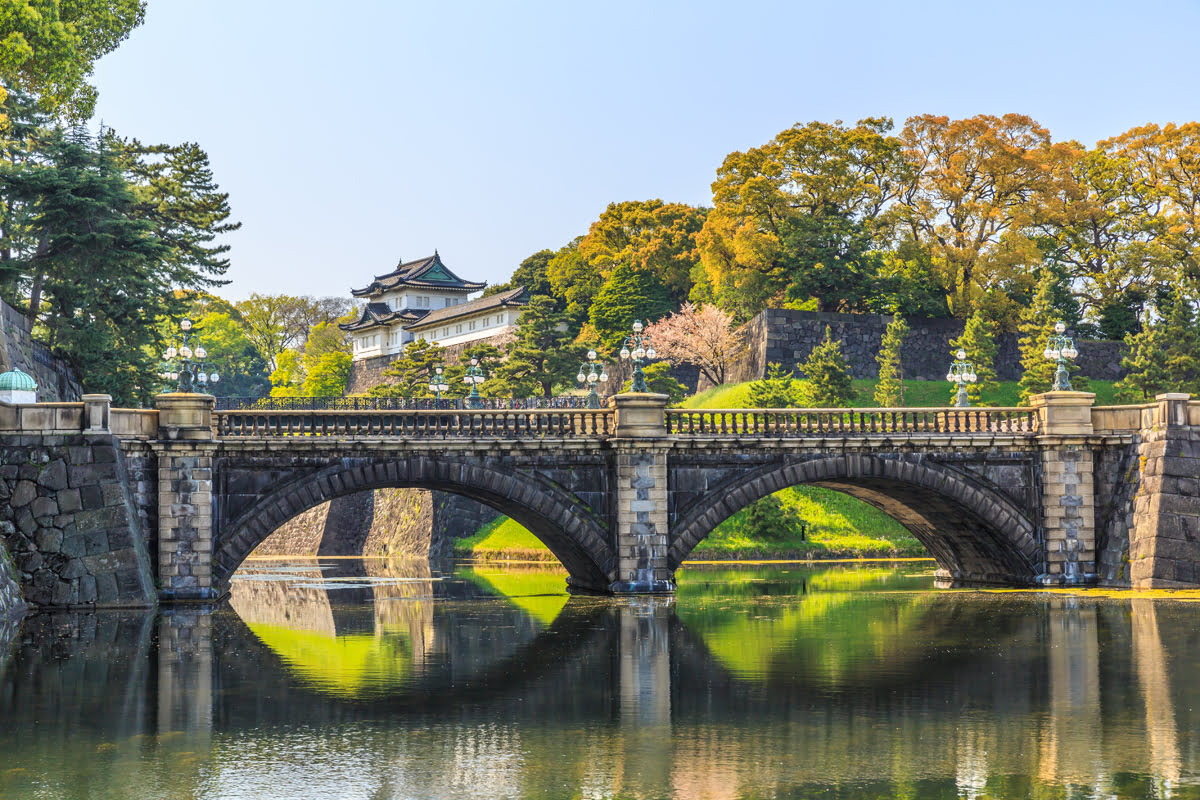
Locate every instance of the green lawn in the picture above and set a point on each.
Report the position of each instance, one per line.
(921, 394)
(503, 538)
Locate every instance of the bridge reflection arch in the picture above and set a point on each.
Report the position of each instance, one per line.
(970, 527)
(565, 525)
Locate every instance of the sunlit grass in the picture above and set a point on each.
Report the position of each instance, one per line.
(503, 537)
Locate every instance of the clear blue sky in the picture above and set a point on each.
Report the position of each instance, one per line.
(352, 134)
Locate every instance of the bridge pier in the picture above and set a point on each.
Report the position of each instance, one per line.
(1068, 480)
(185, 451)
(641, 496)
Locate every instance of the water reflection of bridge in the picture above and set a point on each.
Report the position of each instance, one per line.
(640, 696)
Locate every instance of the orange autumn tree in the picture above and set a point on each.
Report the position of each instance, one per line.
(978, 187)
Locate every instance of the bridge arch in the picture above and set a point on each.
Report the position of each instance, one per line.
(973, 531)
(566, 526)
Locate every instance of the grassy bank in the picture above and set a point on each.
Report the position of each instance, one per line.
(919, 394)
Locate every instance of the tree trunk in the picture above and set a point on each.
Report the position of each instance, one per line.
(39, 276)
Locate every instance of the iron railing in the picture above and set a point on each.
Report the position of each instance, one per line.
(497, 424)
(793, 422)
(392, 403)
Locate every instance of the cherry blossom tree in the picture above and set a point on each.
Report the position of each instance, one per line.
(704, 337)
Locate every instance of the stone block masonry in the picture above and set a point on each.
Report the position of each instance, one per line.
(12, 604)
(787, 337)
(1164, 544)
(70, 523)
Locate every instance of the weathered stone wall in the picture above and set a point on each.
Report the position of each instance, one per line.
(1164, 547)
(1117, 479)
(368, 372)
(391, 523)
(12, 605)
(70, 523)
(56, 380)
(787, 337)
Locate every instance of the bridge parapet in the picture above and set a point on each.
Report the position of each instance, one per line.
(451, 423)
(808, 422)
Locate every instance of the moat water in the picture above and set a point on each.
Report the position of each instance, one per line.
(378, 680)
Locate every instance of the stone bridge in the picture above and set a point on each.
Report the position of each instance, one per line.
(115, 506)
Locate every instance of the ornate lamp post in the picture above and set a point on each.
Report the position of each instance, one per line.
(189, 371)
(437, 383)
(638, 348)
(1059, 349)
(962, 372)
(589, 376)
(474, 377)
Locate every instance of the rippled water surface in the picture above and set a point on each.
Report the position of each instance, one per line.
(372, 679)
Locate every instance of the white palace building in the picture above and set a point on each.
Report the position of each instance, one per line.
(424, 300)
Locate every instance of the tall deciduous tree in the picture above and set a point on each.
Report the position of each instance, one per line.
(889, 391)
(827, 375)
(978, 185)
(48, 47)
(704, 337)
(766, 199)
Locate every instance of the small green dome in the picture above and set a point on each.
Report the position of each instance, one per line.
(17, 381)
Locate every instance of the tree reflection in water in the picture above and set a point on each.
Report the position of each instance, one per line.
(782, 681)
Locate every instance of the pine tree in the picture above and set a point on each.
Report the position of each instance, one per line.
(777, 389)
(541, 355)
(409, 375)
(628, 294)
(889, 392)
(1145, 364)
(980, 346)
(1037, 326)
(828, 375)
(1181, 338)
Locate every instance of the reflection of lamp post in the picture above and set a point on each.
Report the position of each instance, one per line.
(189, 373)
(637, 347)
(1059, 349)
(474, 376)
(437, 383)
(591, 377)
(962, 372)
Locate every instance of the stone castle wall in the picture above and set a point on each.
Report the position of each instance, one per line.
(389, 523)
(69, 521)
(368, 372)
(12, 605)
(56, 381)
(787, 337)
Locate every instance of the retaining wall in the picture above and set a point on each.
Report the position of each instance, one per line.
(787, 337)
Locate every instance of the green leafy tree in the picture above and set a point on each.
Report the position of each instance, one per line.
(327, 375)
(980, 346)
(628, 294)
(829, 257)
(889, 392)
(659, 381)
(540, 356)
(287, 379)
(769, 520)
(230, 354)
(777, 389)
(532, 274)
(409, 375)
(48, 47)
(827, 375)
